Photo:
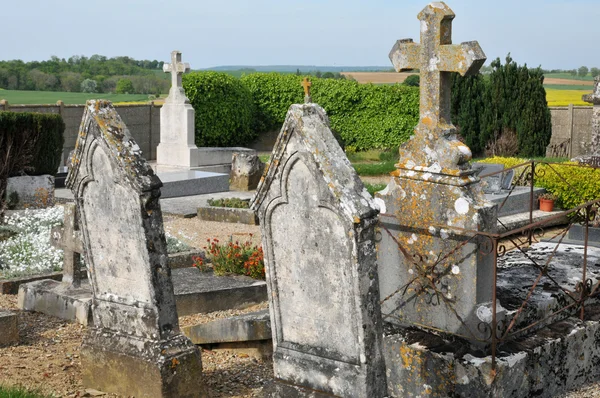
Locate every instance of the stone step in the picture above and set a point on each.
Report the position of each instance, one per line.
(246, 327)
(9, 328)
(514, 221)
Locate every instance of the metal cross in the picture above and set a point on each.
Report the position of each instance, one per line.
(70, 241)
(176, 68)
(436, 57)
(306, 84)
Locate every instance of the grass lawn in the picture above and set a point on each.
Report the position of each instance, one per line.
(18, 392)
(51, 97)
(568, 76)
(568, 87)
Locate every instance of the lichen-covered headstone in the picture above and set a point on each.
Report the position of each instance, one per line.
(317, 222)
(594, 99)
(432, 273)
(135, 346)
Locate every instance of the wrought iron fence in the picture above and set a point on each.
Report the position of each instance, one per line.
(430, 271)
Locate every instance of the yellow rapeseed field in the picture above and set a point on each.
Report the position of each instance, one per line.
(565, 97)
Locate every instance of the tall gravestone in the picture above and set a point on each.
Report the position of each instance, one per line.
(317, 222)
(177, 121)
(135, 346)
(594, 99)
(432, 272)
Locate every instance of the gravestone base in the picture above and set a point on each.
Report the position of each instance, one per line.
(131, 366)
(9, 328)
(517, 202)
(57, 299)
(559, 358)
(281, 389)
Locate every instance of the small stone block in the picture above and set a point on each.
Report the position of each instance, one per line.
(9, 328)
(226, 214)
(246, 327)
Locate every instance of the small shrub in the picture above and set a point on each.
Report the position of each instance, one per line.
(372, 188)
(174, 245)
(235, 203)
(412, 81)
(235, 258)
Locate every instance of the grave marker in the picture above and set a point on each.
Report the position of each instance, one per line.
(68, 238)
(432, 273)
(135, 346)
(317, 222)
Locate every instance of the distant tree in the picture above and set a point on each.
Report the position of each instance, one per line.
(89, 86)
(573, 72)
(297, 72)
(328, 75)
(582, 71)
(70, 81)
(595, 72)
(318, 73)
(124, 86)
(412, 80)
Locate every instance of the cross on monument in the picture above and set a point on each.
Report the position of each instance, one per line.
(436, 57)
(70, 241)
(307, 84)
(176, 68)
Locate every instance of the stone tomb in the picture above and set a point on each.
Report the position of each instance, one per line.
(135, 346)
(432, 273)
(317, 222)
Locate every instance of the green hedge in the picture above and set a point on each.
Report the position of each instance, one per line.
(224, 109)
(39, 138)
(583, 182)
(366, 116)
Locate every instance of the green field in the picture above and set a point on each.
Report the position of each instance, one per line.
(51, 97)
(568, 87)
(568, 76)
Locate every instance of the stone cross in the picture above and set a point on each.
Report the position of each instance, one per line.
(69, 240)
(307, 84)
(436, 57)
(176, 68)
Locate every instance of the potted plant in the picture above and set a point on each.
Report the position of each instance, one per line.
(547, 201)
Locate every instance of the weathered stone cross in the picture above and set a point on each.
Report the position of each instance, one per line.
(176, 68)
(70, 241)
(306, 84)
(436, 57)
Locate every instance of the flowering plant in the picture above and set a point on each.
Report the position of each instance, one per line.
(233, 258)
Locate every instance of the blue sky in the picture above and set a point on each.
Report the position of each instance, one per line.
(552, 33)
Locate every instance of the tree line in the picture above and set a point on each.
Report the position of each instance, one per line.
(82, 74)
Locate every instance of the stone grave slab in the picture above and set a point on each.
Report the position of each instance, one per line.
(317, 222)
(576, 235)
(182, 182)
(135, 346)
(491, 183)
(517, 202)
(240, 328)
(9, 328)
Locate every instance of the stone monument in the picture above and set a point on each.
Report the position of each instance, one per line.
(318, 229)
(177, 147)
(135, 346)
(431, 271)
(594, 145)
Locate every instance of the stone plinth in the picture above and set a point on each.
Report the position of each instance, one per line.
(9, 328)
(317, 223)
(246, 171)
(135, 346)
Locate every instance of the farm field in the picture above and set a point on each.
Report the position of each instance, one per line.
(51, 97)
(565, 97)
(377, 77)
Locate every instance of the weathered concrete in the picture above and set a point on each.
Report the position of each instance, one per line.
(184, 259)
(57, 299)
(201, 292)
(227, 214)
(33, 191)
(177, 183)
(594, 98)
(519, 200)
(240, 328)
(9, 328)
(135, 346)
(246, 171)
(562, 357)
(317, 222)
(11, 286)
(431, 272)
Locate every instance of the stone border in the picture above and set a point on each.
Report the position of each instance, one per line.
(11, 286)
(184, 259)
(227, 214)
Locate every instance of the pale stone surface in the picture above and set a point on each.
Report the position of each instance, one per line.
(135, 346)
(594, 98)
(9, 328)
(432, 273)
(246, 171)
(33, 191)
(317, 224)
(177, 146)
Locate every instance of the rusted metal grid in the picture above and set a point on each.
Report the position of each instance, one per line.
(498, 244)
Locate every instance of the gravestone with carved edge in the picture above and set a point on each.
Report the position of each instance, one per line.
(135, 346)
